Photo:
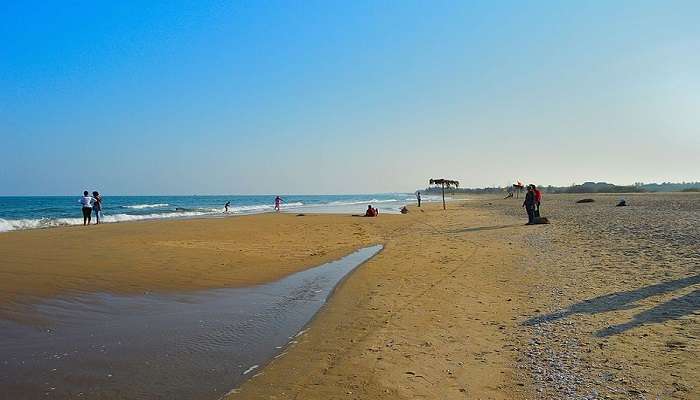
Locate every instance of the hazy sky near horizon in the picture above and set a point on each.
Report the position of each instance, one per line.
(345, 97)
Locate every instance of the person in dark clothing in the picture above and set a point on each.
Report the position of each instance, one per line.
(529, 205)
(97, 205)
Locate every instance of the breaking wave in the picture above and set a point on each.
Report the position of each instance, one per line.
(142, 206)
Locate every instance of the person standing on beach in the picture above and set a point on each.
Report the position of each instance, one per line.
(86, 202)
(538, 200)
(97, 205)
(226, 206)
(418, 198)
(278, 202)
(529, 205)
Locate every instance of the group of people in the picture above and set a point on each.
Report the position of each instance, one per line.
(533, 199)
(371, 211)
(89, 204)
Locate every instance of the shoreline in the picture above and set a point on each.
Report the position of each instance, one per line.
(170, 256)
(121, 209)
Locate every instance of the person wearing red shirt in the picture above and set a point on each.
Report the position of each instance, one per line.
(538, 200)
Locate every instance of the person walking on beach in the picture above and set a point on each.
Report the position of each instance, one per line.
(278, 202)
(529, 205)
(226, 206)
(97, 205)
(538, 200)
(418, 198)
(86, 202)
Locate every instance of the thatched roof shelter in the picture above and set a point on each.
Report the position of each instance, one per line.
(444, 183)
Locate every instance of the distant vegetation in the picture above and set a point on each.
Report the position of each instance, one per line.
(588, 187)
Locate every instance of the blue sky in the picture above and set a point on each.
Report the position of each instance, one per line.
(345, 97)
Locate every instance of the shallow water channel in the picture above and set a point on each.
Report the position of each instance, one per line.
(192, 346)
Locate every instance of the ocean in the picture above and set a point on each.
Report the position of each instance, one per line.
(31, 212)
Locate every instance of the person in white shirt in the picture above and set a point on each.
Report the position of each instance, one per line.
(86, 201)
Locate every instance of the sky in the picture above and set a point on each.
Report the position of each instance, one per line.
(313, 97)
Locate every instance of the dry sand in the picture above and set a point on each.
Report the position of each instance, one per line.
(463, 304)
(470, 304)
(429, 317)
(173, 256)
(617, 298)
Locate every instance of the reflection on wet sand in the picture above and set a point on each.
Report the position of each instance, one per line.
(198, 345)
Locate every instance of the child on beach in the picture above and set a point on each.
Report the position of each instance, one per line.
(278, 201)
(226, 206)
(86, 202)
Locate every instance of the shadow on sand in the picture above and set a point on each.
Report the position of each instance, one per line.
(485, 228)
(672, 309)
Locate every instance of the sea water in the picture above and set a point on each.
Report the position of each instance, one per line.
(45, 212)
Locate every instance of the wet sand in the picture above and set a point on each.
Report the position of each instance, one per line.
(143, 347)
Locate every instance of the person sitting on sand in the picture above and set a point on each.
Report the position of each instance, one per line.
(529, 205)
(404, 210)
(278, 201)
(371, 211)
(86, 202)
(97, 205)
(226, 206)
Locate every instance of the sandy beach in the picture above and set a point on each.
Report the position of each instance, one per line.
(175, 255)
(463, 303)
(602, 303)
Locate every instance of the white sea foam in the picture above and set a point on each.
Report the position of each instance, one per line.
(251, 369)
(341, 206)
(263, 207)
(142, 206)
(350, 203)
(18, 224)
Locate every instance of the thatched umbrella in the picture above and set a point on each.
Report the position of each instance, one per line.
(444, 183)
(518, 188)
